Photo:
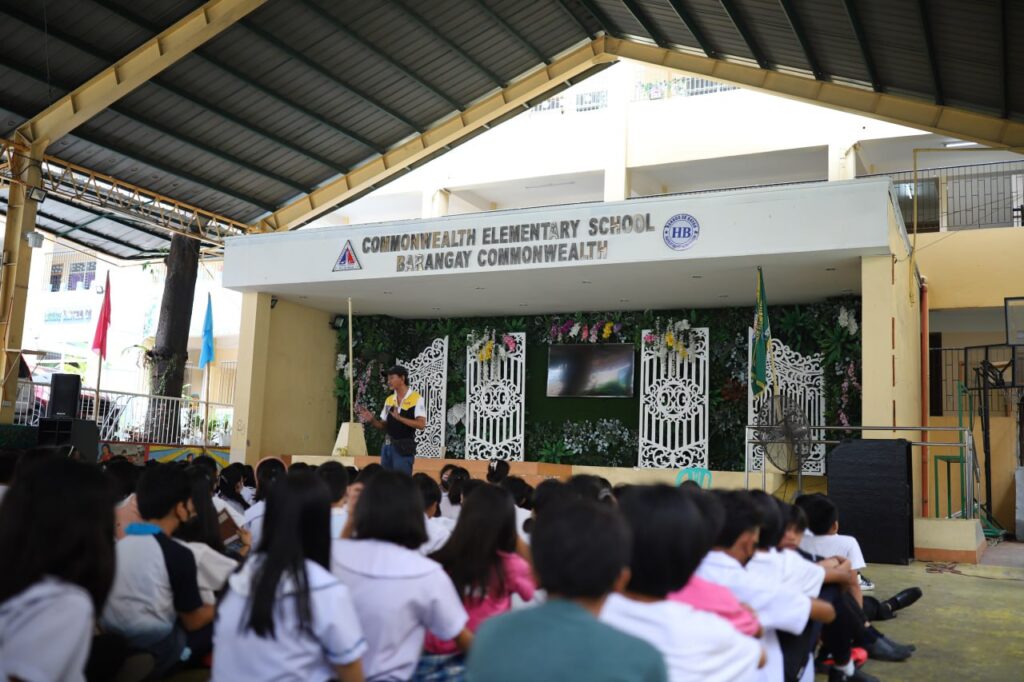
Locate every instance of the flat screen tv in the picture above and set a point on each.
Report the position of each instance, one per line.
(590, 370)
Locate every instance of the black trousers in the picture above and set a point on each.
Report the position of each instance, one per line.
(837, 636)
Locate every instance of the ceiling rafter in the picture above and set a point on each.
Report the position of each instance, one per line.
(690, 21)
(607, 24)
(929, 46)
(862, 42)
(575, 18)
(801, 36)
(646, 23)
(744, 31)
(512, 31)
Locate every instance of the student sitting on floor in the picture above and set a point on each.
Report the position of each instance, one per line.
(248, 484)
(284, 616)
(669, 540)
(707, 596)
(267, 472)
(201, 534)
(488, 564)
(155, 602)
(522, 495)
(56, 568)
(438, 528)
(230, 484)
(822, 536)
(581, 553)
(123, 477)
(453, 492)
(399, 594)
(335, 476)
(497, 471)
(778, 607)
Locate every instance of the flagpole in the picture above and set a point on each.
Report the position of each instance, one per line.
(206, 407)
(96, 407)
(351, 367)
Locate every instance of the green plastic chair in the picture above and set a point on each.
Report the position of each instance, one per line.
(698, 475)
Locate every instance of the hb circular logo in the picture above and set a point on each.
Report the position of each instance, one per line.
(681, 231)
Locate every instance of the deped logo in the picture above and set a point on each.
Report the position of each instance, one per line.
(681, 231)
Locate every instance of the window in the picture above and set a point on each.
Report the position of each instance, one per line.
(56, 276)
(76, 276)
(927, 204)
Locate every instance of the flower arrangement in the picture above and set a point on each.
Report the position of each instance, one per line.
(574, 330)
(492, 347)
(675, 339)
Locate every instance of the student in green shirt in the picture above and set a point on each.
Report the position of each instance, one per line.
(581, 553)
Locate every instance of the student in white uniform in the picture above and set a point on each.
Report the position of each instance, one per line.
(229, 489)
(451, 499)
(522, 494)
(438, 530)
(267, 472)
(670, 538)
(56, 568)
(778, 607)
(335, 476)
(822, 536)
(201, 534)
(399, 594)
(284, 616)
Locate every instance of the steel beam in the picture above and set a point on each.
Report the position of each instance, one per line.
(645, 23)
(492, 108)
(163, 84)
(1004, 54)
(511, 30)
(92, 247)
(686, 16)
(986, 129)
(862, 43)
(401, 68)
(748, 37)
(127, 74)
(801, 36)
(235, 73)
(929, 46)
(606, 23)
(579, 22)
(451, 44)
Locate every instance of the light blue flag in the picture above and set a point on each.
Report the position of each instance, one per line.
(206, 356)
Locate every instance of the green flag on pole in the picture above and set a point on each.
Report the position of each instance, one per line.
(762, 339)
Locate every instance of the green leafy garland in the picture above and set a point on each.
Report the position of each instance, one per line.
(830, 328)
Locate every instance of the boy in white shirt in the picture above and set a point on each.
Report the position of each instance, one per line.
(778, 607)
(670, 538)
(438, 530)
(822, 535)
(335, 476)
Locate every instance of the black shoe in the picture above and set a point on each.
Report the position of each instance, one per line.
(903, 599)
(896, 645)
(882, 650)
(837, 675)
(883, 611)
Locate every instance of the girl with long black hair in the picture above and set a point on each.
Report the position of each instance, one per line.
(56, 567)
(229, 487)
(267, 472)
(284, 616)
(481, 559)
(451, 499)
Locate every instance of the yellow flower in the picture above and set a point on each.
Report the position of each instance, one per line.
(670, 340)
(607, 330)
(682, 351)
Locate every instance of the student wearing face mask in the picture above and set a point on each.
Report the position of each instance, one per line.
(155, 601)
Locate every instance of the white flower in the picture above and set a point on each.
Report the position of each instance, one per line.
(575, 330)
(853, 328)
(844, 318)
(684, 325)
(456, 413)
(339, 362)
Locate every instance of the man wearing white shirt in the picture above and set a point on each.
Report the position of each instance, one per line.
(778, 607)
(402, 416)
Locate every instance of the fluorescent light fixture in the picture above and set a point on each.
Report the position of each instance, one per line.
(960, 143)
(34, 239)
(37, 194)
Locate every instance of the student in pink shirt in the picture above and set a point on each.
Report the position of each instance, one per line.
(704, 595)
(488, 563)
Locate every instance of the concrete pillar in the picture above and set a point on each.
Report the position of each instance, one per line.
(250, 378)
(842, 160)
(435, 203)
(616, 142)
(17, 265)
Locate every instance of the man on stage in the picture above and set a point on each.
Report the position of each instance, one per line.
(402, 416)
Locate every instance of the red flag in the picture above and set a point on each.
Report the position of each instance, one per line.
(99, 340)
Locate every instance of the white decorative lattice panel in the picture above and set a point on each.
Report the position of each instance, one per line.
(801, 380)
(428, 376)
(674, 405)
(495, 404)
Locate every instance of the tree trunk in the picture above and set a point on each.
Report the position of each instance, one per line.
(170, 352)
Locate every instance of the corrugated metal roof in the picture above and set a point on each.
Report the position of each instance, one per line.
(303, 90)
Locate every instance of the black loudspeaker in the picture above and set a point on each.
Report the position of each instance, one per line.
(869, 480)
(82, 434)
(64, 391)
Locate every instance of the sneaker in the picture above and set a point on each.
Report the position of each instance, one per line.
(837, 675)
(865, 584)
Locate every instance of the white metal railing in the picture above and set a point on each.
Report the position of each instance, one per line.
(136, 417)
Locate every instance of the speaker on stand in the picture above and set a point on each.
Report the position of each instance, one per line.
(60, 427)
(65, 390)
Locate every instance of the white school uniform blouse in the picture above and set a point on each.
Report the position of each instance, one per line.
(46, 632)
(449, 510)
(845, 546)
(336, 637)
(438, 533)
(777, 606)
(399, 595)
(521, 517)
(339, 517)
(697, 646)
(253, 522)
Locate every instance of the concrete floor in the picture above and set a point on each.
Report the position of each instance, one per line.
(1004, 554)
(967, 626)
